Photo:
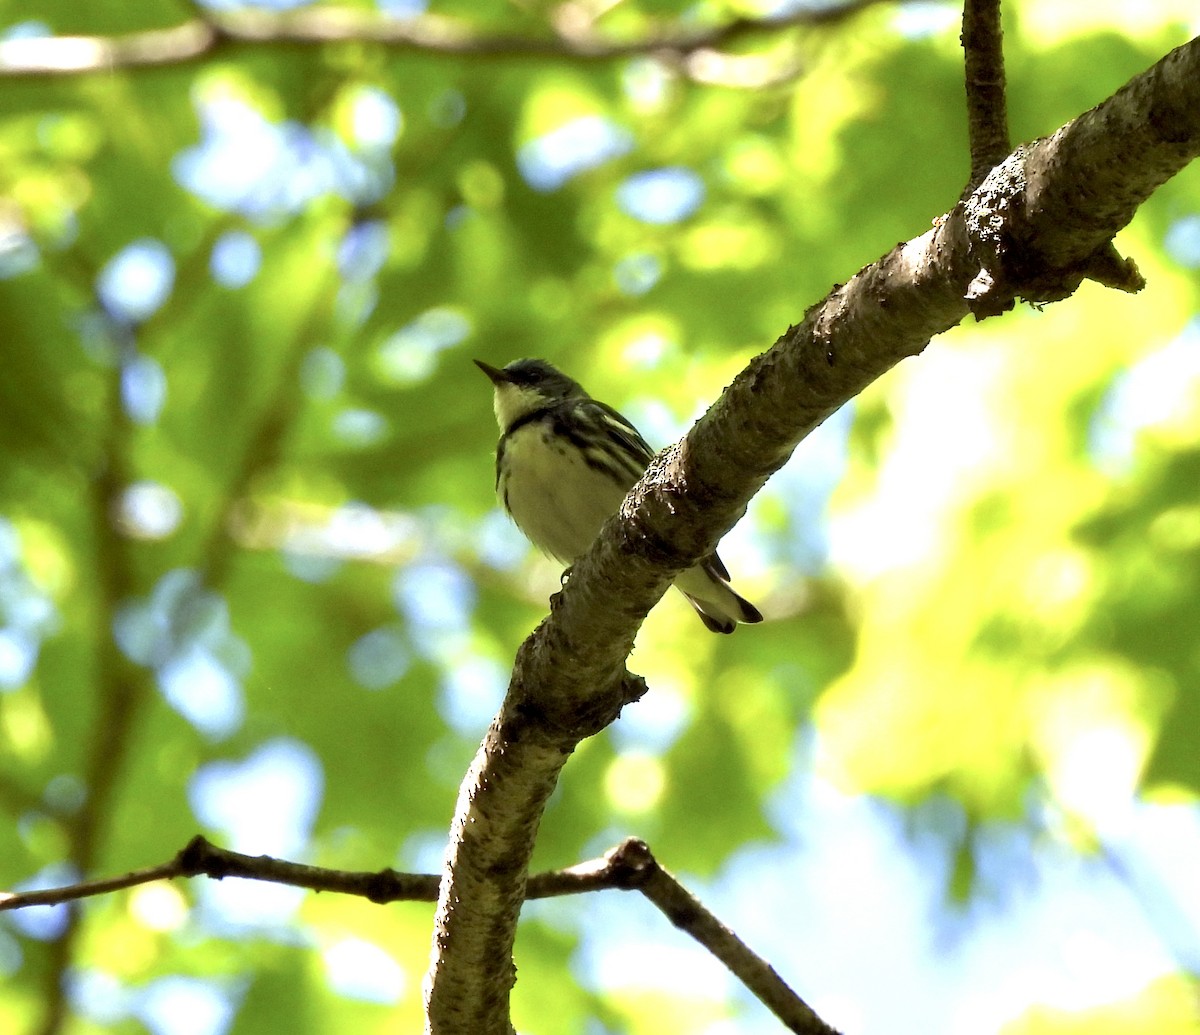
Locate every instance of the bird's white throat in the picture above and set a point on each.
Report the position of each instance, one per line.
(512, 402)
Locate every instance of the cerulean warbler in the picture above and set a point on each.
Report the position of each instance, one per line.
(565, 463)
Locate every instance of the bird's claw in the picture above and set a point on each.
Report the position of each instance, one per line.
(556, 598)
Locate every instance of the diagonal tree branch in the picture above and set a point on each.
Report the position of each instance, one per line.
(428, 33)
(201, 857)
(1041, 221)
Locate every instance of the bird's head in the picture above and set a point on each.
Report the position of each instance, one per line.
(526, 385)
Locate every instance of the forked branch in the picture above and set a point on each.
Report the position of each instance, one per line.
(630, 866)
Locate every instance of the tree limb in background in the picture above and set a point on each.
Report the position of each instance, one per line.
(428, 33)
(628, 867)
(987, 110)
(124, 687)
(1038, 225)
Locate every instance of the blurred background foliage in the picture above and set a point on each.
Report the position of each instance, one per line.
(253, 582)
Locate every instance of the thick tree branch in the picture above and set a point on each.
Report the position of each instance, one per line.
(1040, 223)
(987, 110)
(427, 33)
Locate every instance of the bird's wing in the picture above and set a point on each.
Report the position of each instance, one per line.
(617, 450)
(624, 433)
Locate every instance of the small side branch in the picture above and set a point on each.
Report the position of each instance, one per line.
(634, 866)
(630, 867)
(987, 108)
(201, 858)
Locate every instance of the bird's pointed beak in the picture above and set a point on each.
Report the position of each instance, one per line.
(497, 376)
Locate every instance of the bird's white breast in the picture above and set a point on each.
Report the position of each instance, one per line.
(556, 499)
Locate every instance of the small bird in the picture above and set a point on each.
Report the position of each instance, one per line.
(564, 464)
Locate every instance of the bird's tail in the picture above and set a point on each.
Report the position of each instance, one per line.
(707, 589)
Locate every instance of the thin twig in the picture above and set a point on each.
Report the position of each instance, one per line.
(201, 857)
(87, 888)
(987, 113)
(630, 866)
